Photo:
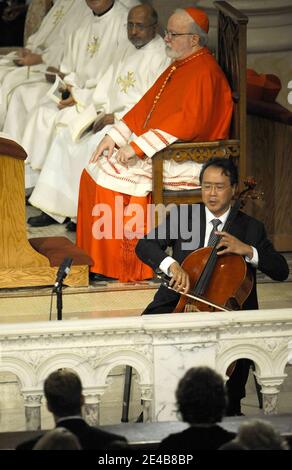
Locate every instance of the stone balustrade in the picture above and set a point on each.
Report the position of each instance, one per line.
(160, 347)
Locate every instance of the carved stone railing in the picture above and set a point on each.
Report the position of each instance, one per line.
(173, 343)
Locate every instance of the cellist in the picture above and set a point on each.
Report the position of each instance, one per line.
(189, 227)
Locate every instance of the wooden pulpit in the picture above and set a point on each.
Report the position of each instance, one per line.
(24, 262)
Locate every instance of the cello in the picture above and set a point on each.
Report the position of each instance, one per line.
(218, 283)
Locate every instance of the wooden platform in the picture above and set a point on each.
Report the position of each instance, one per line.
(41, 276)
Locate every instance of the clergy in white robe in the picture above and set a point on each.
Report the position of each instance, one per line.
(133, 71)
(46, 47)
(96, 32)
(88, 55)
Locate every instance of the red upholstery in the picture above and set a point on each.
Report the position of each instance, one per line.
(272, 88)
(262, 87)
(262, 90)
(11, 149)
(254, 85)
(58, 248)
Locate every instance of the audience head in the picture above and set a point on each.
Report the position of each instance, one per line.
(201, 396)
(232, 445)
(63, 392)
(99, 7)
(58, 439)
(258, 434)
(218, 179)
(142, 25)
(187, 32)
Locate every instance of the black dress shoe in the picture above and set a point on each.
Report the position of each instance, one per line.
(41, 220)
(71, 226)
(96, 277)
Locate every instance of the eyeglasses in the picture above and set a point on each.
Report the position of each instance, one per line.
(173, 35)
(139, 26)
(219, 187)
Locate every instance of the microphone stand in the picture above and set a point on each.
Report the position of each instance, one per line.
(59, 292)
(63, 271)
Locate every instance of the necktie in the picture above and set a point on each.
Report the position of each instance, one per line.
(213, 236)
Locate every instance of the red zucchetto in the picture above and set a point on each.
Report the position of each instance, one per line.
(200, 17)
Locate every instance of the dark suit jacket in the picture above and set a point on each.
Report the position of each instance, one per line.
(195, 438)
(89, 437)
(151, 250)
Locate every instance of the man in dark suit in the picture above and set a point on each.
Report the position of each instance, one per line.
(198, 226)
(63, 392)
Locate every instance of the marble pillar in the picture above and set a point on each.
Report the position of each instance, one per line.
(146, 397)
(32, 406)
(270, 390)
(91, 408)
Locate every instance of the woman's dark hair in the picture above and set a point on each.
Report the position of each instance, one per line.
(227, 166)
(201, 396)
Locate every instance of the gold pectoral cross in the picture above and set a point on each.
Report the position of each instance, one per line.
(126, 82)
(58, 15)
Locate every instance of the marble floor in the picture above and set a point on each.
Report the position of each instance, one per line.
(101, 299)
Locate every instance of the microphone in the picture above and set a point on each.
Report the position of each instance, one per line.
(63, 271)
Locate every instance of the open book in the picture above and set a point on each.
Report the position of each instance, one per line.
(83, 124)
(55, 92)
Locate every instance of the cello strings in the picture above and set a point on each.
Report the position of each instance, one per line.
(205, 276)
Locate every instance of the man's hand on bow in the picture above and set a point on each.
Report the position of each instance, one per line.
(180, 280)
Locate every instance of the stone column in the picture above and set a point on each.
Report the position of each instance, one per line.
(32, 405)
(91, 409)
(270, 390)
(146, 397)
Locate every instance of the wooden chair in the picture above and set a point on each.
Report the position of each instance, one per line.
(231, 56)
